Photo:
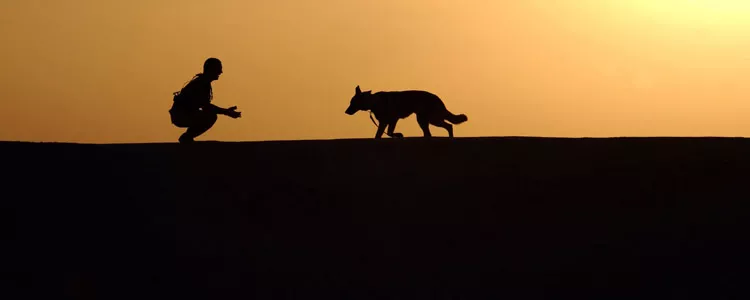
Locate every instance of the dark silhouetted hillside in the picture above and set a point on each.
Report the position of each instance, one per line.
(478, 218)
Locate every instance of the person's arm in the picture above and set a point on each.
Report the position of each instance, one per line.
(231, 112)
(210, 107)
(215, 109)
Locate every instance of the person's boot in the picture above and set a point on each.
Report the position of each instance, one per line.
(185, 139)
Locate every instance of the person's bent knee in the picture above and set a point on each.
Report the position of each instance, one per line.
(208, 119)
(211, 118)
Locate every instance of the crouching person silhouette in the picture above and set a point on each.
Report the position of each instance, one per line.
(192, 107)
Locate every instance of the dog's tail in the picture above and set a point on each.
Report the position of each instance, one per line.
(456, 119)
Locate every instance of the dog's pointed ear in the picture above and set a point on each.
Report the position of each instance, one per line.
(357, 90)
(368, 93)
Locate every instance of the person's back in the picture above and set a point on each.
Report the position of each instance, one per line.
(192, 108)
(194, 95)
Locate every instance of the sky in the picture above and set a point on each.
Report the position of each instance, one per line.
(93, 71)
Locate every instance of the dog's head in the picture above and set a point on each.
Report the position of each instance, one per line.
(360, 101)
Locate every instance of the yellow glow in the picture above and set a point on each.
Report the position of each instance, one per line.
(696, 12)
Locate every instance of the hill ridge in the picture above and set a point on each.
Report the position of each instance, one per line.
(516, 217)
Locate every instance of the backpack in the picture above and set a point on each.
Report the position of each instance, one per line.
(176, 96)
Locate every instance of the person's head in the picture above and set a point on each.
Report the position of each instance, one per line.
(212, 68)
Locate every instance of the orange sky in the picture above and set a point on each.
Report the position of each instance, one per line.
(98, 71)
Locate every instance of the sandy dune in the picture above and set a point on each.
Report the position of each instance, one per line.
(391, 219)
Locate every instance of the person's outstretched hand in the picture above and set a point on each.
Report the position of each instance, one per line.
(233, 113)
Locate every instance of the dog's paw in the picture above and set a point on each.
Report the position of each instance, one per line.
(397, 135)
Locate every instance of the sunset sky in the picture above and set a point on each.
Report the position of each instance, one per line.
(97, 71)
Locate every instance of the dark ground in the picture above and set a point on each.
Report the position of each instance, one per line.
(469, 218)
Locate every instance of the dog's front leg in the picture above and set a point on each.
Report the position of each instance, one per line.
(392, 128)
(381, 129)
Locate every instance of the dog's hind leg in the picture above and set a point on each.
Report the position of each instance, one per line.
(424, 123)
(441, 123)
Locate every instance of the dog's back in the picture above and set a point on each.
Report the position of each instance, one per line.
(405, 103)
